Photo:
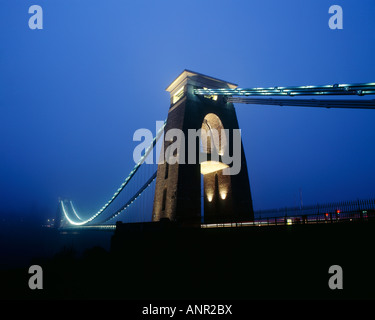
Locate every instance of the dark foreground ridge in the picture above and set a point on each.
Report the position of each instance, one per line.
(164, 261)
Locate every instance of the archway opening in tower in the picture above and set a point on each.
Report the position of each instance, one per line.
(216, 187)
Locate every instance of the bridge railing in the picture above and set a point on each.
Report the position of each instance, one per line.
(343, 206)
(359, 210)
(329, 217)
(332, 217)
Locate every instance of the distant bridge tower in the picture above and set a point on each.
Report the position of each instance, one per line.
(178, 186)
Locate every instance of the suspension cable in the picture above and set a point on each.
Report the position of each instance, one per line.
(346, 104)
(127, 180)
(335, 89)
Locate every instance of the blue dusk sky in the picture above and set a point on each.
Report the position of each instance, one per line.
(73, 94)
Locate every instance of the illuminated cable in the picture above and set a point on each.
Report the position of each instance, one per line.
(135, 197)
(75, 212)
(128, 178)
(67, 216)
(335, 89)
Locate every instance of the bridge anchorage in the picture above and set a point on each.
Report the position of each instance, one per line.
(201, 108)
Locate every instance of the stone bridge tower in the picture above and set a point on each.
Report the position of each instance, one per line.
(178, 191)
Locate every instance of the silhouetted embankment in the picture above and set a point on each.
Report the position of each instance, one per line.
(164, 261)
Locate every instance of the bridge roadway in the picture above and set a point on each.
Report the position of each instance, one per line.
(335, 217)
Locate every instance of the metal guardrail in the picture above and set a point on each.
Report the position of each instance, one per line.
(328, 217)
(342, 206)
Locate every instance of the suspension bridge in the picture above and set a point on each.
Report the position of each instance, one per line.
(151, 192)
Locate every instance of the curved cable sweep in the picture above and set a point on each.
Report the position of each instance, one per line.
(75, 212)
(115, 195)
(134, 198)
